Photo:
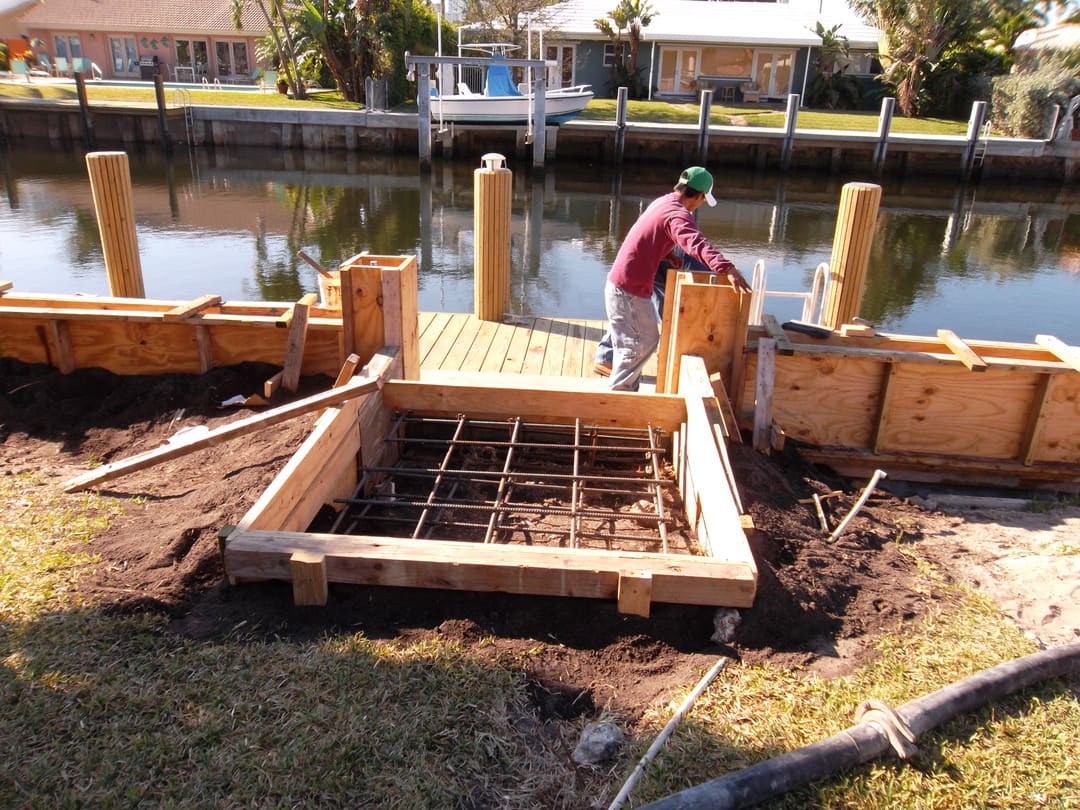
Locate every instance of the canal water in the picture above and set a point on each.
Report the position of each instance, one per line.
(990, 261)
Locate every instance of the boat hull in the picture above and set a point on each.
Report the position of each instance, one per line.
(478, 109)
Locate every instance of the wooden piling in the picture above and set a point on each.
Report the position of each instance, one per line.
(704, 119)
(851, 252)
(110, 184)
(491, 264)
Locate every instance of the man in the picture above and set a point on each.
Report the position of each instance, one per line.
(667, 222)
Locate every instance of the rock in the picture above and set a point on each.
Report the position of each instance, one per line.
(725, 623)
(599, 742)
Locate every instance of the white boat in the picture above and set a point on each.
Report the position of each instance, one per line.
(501, 101)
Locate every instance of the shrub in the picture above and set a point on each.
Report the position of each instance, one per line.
(1022, 104)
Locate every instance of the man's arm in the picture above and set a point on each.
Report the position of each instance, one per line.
(686, 234)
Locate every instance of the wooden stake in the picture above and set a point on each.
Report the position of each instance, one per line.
(308, 572)
(766, 360)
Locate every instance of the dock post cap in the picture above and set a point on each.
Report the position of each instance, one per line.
(493, 161)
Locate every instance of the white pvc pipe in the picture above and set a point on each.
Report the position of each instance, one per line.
(658, 743)
(878, 475)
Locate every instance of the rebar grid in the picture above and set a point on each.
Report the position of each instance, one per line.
(449, 471)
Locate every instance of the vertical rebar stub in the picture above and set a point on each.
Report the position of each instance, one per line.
(493, 161)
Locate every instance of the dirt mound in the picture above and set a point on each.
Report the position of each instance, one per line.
(816, 601)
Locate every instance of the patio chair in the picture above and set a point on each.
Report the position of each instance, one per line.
(20, 68)
(62, 66)
(80, 64)
(46, 65)
(268, 80)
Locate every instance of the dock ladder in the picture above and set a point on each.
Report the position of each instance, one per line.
(183, 98)
(812, 301)
(981, 144)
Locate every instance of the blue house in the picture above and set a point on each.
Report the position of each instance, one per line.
(745, 51)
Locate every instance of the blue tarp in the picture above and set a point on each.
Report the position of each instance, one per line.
(499, 82)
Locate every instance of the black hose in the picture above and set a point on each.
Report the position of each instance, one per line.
(871, 737)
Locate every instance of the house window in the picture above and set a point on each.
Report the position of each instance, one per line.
(678, 70)
(124, 55)
(859, 64)
(69, 46)
(609, 54)
(733, 62)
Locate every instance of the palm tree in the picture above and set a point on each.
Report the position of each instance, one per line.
(282, 40)
(631, 16)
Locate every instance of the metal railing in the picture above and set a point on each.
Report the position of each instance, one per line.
(813, 300)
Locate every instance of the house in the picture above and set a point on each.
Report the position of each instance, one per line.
(126, 39)
(743, 50)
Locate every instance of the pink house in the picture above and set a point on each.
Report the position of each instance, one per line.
(127, 39)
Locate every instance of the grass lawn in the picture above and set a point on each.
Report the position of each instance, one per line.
(104, 710)
(597, 110)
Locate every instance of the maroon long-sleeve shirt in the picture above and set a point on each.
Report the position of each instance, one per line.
(664, 224)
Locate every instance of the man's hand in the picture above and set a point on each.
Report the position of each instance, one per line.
(736, 278)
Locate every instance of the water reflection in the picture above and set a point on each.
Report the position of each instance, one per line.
(990, 261)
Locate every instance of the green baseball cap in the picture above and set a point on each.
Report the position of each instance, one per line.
(698, 179)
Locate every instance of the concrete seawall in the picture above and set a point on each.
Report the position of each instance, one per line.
(825, 151)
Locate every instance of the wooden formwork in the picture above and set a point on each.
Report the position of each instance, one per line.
(271, 542)
(939, 409)
(143, 336)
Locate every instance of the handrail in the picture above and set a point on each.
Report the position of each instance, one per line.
(813, 301)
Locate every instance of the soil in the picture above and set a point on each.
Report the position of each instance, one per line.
(820, 605)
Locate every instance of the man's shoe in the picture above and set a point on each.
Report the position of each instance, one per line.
(603, 369)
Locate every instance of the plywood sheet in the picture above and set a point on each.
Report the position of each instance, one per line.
(949, 410)
(1059, 434)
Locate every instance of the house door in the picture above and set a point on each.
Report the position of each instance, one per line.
(561, 75)
(191, 58)
(124, 55)
(773, 73)
(232, 59)
(678, 71)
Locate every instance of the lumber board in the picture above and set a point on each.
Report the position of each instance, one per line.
(500, 345)
(453, 359)
(1058, 439)
(981, 415)
(710, 482)
(667, 320)
(62, 348)
(204, 348)
(185, 311)
(937, 468)
(635, 593)
(400, 292)
(434, 327)
(375, 419)
(449, 564)
(1068, 354)
(518, 349)
(777, 333)
(448, 338)
(561, 399)
(361, 313)
(706, 317)
(322, 468)
(1036, 418)
(478, 349)
(537, 347)
(354, 388)
(577, 359)
(967, 355)
(764, 381)
(5, 286)
(556, 347)
(294, 346)
(885, 400)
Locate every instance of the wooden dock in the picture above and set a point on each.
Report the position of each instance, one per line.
(550, 347)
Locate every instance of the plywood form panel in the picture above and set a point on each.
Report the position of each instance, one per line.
(125, 347)
(25, 340)
(826, 401)
(543, 571)
(949, 410)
